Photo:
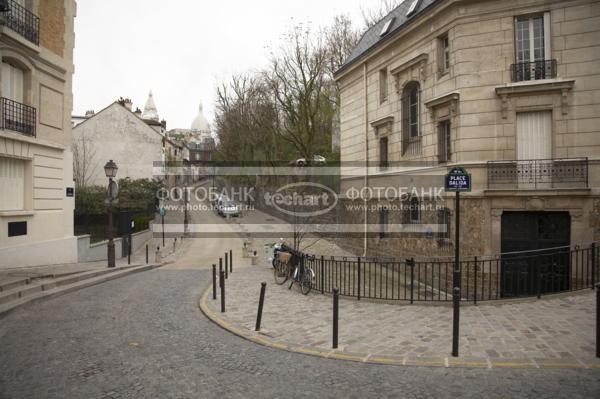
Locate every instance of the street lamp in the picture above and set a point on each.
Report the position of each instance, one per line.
(110, 169)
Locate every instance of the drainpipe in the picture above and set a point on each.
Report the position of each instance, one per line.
(366, 183)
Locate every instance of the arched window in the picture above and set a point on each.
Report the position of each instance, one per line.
(13, 81)
(415, 210)
(411, 126)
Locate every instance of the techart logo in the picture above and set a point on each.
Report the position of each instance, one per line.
(303, 199)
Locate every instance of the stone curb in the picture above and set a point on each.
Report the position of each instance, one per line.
(55, 292)
(446, 362)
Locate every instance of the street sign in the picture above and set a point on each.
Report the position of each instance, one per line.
(162, 211)
(458, 180)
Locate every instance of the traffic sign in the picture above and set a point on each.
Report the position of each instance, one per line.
(458, 180)
(162, 211)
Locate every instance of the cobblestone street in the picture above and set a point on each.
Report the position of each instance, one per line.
(143, 337)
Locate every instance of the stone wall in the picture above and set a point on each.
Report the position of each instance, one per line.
(52, 25)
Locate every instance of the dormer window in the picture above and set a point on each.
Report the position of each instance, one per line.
(413, 7)
(387, 26)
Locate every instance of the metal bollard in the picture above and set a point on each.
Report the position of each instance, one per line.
(475, 282)
(358, 279)
(455, 320)
(261, 302)
(598, 320)
(226, 267)
(412, 280)
(336, 298)
(214, 281)
(157, 256)
(222, 282)
(146, 253)
(594, 265)
(174, 244)
(230, 261)
(129, 251)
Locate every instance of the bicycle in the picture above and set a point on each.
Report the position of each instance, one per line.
(298, 273)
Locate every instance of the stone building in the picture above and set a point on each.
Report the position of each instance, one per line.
(510, 90)
(134, 140)
(36, 179)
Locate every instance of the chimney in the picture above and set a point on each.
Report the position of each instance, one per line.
(128, 104)
(90, 113)
(138, 112)
(163, 123)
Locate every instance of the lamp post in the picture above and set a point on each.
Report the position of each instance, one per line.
(110, 169)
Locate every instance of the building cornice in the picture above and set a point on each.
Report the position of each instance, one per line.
(382, 121)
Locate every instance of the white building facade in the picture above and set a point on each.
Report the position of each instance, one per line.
(36, 179)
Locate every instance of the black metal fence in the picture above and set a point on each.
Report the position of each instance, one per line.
(538, 173)
(510, 275)
(21, 20)
(535, 70)
(18, 117)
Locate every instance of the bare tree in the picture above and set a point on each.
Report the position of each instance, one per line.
(297, 82)
(84, 161)
(374, 15)
(340, 39)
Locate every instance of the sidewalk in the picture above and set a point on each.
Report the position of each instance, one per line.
(555, 332)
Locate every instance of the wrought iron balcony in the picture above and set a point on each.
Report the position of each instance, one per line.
(17, 117)
(21, 20)
(538, 173)
(536, 70)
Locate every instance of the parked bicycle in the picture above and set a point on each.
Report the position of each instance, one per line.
(288, 266)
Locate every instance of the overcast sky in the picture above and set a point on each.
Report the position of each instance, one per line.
(181, 49)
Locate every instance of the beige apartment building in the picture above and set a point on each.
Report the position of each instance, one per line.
(510, 90)
(36, 166)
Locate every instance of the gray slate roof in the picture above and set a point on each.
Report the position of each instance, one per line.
(371, 38)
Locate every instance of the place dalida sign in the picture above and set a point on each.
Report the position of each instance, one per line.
(457, 180)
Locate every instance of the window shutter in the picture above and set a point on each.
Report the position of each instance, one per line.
(406, 212)
(12, 181)
(12, 82)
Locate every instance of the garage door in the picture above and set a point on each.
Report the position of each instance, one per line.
(530, 231)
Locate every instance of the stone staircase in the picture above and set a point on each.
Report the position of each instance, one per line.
(16, 291)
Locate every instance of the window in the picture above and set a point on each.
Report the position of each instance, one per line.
(532, 42)
(415, 210)
(387, 26)
(383, 153)
(413, 7)
(383, 222)
(12, 181)
(444, 53)
(12, 82)
(444, 148)
(383, 85)
(411, 114)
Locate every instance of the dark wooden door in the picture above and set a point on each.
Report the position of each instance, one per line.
(526, 273)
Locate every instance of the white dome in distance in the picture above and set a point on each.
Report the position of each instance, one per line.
(200, 124)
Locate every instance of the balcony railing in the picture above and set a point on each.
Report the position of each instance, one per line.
(536, 70)
(538, 173)
(21, 20)
(18, 117)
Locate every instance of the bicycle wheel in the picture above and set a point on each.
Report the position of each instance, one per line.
(281, 273)
(306, 281)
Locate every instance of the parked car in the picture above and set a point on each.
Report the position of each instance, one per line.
(228, 208)
(317, 160)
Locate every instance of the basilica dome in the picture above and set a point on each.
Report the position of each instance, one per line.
(200, 124)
